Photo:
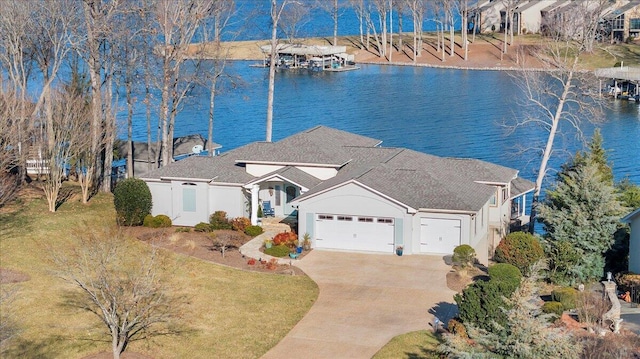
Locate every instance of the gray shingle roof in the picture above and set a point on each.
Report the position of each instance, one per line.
(413, 178)
(520, 186)
(318, 145)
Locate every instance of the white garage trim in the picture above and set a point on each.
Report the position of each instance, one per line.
(438, 235)
(356, 233)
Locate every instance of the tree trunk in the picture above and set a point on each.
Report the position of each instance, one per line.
(212, 98)
(549, 145)
(129, 129)
(275, 15)
(335, 23)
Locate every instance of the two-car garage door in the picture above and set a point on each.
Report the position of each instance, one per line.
(358, 233)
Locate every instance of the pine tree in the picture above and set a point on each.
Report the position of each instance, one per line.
(580, 215)
(527, 332)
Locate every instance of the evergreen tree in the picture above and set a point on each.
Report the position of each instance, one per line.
(580, 215)
(527, 332)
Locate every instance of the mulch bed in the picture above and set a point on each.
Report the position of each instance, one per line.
(11, 276)
(200, 245)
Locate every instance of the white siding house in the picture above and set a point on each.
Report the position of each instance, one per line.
(348, 193)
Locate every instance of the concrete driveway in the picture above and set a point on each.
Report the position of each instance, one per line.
(365, 300)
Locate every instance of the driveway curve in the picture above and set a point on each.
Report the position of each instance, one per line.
(364, 301)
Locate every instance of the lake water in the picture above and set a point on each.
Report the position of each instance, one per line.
(444, 112)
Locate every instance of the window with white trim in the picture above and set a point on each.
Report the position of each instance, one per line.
(365, 219)
(385, 220)
(345, 218)
(325, 217)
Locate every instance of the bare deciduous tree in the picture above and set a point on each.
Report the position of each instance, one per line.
(126, 290)
(275, 12)
(557, 95)
(9, 109)
(68, 122)
(177, 22)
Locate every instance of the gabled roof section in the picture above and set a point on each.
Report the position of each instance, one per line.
(290, 174)
(318, 146)
(420, 180)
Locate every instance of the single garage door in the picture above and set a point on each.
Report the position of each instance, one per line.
(439, 235)
(357, 233)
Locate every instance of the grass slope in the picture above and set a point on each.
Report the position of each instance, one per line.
(421, 344)
(230, 314)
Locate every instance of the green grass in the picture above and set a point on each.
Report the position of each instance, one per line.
(230, 313)
(415, 345)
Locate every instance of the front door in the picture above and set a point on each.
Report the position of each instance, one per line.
(291, 192)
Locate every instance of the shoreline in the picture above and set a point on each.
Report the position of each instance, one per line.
(484, 54)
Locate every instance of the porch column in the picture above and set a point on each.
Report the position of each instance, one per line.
(254, 204)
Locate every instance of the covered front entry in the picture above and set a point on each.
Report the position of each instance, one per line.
(439, 235)
(357, 233)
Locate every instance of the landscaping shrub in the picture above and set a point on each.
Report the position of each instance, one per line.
(202, 227)
(132, 201)
(505, 272)
(456, 327)
(553, 308)
(148, 221)
(278, 251)
(520, 249)
(183, 229)
(286, 238)
(159, 221)
(219, 220)
(480, 304)
(565, 295)
(240, 223)
(464, 255)
(253, 231)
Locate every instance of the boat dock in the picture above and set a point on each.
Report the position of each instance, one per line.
(311, 57)
(624, 82)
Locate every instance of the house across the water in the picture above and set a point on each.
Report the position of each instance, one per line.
(349, 193)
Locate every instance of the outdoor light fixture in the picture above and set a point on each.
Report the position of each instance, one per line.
(270, 191)
(609, 276)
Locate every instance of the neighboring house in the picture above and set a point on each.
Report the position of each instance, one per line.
(633, 219)
(624, 22)
(349, 193)
(145, 159)
(528, 16)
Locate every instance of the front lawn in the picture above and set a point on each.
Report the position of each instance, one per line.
(230, 313)
(415, 345)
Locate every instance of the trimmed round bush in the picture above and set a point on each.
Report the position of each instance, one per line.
(253, 231)
(553, 308)
(162, 221)
(504, 272)
(159, 221)
(219, 220)
(132, 201)
(202, 227)
(567, 296)
(148, 221)
(464, 255)
(520, 249)
(278, 251)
